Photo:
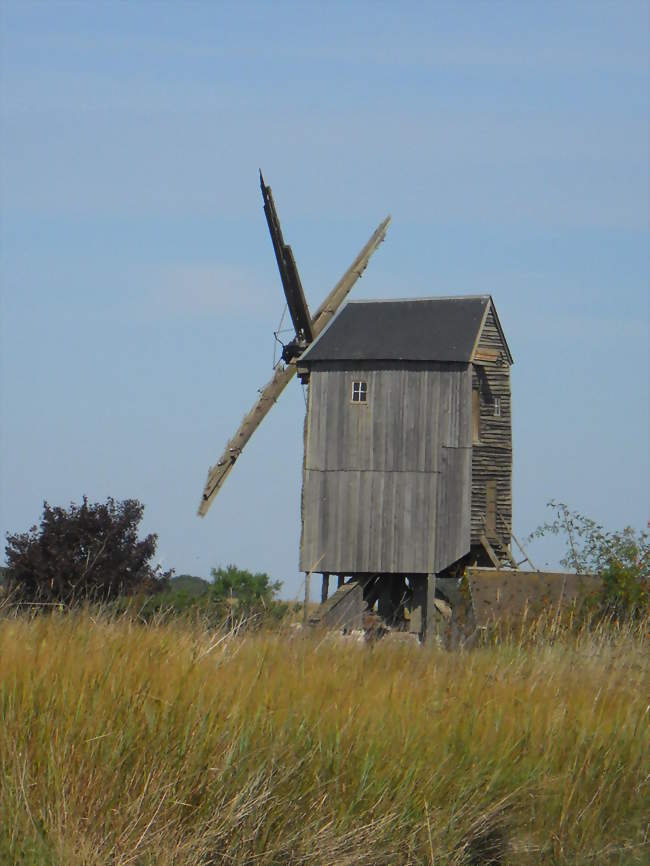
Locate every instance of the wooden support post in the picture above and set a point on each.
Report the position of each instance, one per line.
(491, 508)
(418, 603)
(397, 594)
(371, 589)
(340, 580)
(305, 607)
(429, 630)
(325, 588)
(385, 603)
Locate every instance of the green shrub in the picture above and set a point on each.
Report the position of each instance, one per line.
(621, 558)
(236, 597)
(250, 590)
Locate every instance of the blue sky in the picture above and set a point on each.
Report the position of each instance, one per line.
(509, 142)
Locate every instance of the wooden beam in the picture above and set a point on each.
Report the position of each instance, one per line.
(430, 630)
(342, 289)
(490, 551)
(491, 507)
(268, 396)
(305, 606)
(521, 547)
(485, 355)
(325, 588)
(385, 601)
(418, 604)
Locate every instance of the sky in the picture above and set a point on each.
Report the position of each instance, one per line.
(139, 292)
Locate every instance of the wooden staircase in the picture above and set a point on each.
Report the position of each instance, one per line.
(344, 609)
(500, 554)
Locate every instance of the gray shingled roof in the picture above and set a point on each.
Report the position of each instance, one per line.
(423, 329)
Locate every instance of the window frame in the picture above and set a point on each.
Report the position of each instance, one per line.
(359, 392)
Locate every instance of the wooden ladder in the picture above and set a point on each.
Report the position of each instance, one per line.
(503, 551)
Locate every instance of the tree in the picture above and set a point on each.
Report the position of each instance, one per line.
(621, 558)
(250, 590)
(89, 551)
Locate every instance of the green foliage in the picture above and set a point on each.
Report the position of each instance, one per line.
(185, 593)
(185, 596)
(625, 591)
(236, 598)
(85, 552)
(189, 586)
(250, 591)
(621, 558)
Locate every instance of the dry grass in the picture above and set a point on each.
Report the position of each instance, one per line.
(167, 744)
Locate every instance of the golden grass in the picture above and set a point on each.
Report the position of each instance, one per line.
(123, 743)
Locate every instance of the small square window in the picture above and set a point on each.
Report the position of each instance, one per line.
(359, 392)
(497, 407)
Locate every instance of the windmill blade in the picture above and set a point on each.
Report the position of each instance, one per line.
(268, 395)
(288, 271)
(342, 289)
(272, 390)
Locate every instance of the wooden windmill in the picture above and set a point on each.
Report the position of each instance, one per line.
(407, 473)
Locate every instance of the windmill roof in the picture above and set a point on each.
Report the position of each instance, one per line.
(419, 329)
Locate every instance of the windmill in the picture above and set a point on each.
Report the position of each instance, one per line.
(407, 476)
(306, 327)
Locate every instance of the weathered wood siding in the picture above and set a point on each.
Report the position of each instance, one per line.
(492, 455)
(386, 484)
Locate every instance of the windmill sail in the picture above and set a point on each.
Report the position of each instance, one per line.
(288, 274)
(272, 390)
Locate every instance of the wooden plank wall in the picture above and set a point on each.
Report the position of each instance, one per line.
(386, 484)
(492, 456)
(453, 506)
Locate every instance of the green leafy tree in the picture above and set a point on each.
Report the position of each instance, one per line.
(88, 551)
(621, 558)
(250, 591)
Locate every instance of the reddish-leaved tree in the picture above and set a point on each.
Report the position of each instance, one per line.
(86, 552)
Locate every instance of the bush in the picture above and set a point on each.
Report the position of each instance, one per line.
(236, 598)
(87, 552)
(250, 591)
(186, 596)
(621, 558)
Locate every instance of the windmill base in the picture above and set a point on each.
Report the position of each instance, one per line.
(450, 607)
(417, 604)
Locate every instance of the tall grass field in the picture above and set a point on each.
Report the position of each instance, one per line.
(167, 743)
